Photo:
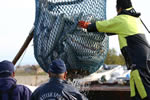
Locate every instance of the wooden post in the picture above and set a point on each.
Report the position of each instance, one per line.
(24, 46)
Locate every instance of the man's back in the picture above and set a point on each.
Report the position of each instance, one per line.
(9, 90)
(57, 89)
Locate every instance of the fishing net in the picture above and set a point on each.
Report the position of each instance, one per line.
(57, 35)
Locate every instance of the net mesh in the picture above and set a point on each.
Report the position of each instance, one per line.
(58, 36)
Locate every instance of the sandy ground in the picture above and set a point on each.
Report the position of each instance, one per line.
(32, 80)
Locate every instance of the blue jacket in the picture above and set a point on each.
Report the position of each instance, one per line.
(10, 91)
(57, 89)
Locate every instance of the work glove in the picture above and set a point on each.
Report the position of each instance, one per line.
(83, 24)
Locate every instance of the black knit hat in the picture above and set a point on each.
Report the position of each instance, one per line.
(124, 4)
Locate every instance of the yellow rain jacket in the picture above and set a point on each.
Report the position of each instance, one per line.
(134, 47)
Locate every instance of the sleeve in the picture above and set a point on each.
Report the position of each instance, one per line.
(26, 93)
(34, 95)
(113, 25)
(73, 93)
(92, 27)
(110, 27)
(80, 96)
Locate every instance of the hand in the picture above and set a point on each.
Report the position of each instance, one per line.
(83, 24)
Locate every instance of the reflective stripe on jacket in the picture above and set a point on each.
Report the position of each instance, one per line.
(135, 80)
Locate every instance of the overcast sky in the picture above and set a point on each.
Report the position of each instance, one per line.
(17, 18)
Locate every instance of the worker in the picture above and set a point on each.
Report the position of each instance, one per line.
(133, 44)
(9, 90)
(57, 88)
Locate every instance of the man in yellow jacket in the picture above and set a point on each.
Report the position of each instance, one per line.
(133, 44)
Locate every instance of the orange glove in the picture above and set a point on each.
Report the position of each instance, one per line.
(83, 24)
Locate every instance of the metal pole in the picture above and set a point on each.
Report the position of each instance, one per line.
(24, 46)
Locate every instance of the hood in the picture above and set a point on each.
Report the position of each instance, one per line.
(130, 12)
(6, 83)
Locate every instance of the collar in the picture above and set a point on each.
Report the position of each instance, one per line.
(7, 82)
(129, 11)
(54, 79)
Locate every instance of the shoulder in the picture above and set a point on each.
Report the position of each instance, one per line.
(115, 20)
(125, 17)
(39, 89)
(119, 18)
(72, 92)
(23, 89)
(71, 89)
(22, 92)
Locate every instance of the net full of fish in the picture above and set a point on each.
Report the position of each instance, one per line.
(57, 34)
